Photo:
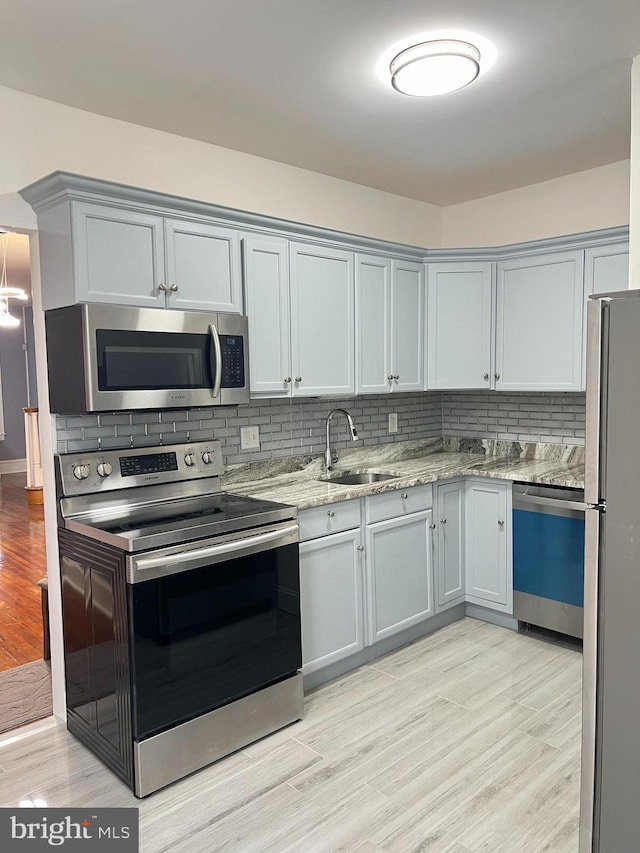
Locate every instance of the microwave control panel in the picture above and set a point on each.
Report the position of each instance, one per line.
(232, 347)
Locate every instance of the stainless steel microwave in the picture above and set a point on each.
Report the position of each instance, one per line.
(105, 358)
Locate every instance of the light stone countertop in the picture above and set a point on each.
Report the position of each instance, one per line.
(294, 480)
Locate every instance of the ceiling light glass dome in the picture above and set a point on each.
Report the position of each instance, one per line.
(435, 67)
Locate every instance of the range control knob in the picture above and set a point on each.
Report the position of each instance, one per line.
(208, 457)
(189, 460)
(81, 472)
(104, 469)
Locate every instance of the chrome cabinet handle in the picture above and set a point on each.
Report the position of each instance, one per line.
(497, 375)
(298, 378)
(443, 521)
(162, 287)
(500, 522)
(485, 376)
(331, 513)
(390, 377)
(404, 496)
(396, 376)
(173, 288)
(432, 526)
(287, 379)
(360, 548)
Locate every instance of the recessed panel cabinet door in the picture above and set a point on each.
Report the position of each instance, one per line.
(266, 270)
(449, 527)
(203, 267)
(539, 323)
(373, 325)
(330, 599)
(118, 256)
(399, 574)
(322, 320)
(407, 326)
(488, 545)
(459, 321)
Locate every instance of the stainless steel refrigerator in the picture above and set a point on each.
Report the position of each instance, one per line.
(610, 784)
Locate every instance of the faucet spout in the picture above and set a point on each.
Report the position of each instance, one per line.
(329, 458)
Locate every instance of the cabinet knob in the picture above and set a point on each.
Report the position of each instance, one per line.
(360, 548)
(162, 287)
(497, 375)
(287, 379)
(432, 526)
(404, 496)
(173, 288)
(485, 376)
(396, 376)
(500, 522)
(331, 513)
(390, 377)
(443, 521)
(298, 378)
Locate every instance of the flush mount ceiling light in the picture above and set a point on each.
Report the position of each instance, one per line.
(435, 67)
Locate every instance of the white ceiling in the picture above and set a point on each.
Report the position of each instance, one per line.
(294, 81)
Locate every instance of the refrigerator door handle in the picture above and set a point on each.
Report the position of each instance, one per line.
(593, 466)
(593, 518)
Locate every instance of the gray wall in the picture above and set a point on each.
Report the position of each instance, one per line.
(296, 427)
(14, 385)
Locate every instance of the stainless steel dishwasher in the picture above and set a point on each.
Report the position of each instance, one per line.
(548, 557)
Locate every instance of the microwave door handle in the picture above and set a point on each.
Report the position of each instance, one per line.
(216, 368)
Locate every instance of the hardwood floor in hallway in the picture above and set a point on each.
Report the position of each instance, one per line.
(22, 565)
(466, 741)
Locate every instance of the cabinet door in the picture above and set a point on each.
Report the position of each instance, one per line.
(450, 534)
(399, 574)
(407, 326)
(118, 256)
(322, 320)
(373, 325)
(266, 269)
(331, 599)
(460, 329)
(203, 267)
(606, 269)
(488, 556)
(539, 323)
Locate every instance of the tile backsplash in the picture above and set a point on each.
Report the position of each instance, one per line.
(296, 427)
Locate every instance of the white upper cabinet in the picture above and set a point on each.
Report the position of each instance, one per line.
(203, 267)
(322, 320)
(266, 283)
(407, 326)
(373, 325)
(118, 256)
(125, 257)
(389, 325)
(539, 323)
(460, 328)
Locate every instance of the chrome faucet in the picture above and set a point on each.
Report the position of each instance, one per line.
(329, 458)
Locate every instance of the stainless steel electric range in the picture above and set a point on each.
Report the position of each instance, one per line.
(181, 610)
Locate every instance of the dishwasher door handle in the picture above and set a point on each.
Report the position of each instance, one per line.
(538, 500)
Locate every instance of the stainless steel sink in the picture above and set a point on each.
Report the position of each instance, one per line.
(357, 478)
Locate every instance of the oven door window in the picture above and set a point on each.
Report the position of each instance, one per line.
(202, 638)
(130, 360)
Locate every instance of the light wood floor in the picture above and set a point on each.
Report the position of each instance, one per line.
(466, 741)
(22, 565)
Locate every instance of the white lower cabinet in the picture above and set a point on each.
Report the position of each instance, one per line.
(331, 599)
(449, 543)
(399, 573)
(488, 552)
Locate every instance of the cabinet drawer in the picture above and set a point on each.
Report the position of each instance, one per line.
(397, 503)
(329, 518)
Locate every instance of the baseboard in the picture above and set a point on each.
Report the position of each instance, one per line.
(13, 466)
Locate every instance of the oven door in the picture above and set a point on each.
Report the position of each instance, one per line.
(212, 624)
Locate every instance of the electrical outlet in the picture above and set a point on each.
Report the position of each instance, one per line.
(250, 438)
(393, 422)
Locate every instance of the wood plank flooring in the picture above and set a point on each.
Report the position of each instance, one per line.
(466, 741)
(22, 564)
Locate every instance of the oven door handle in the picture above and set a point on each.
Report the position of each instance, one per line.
(217, 354)
(147, 568)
